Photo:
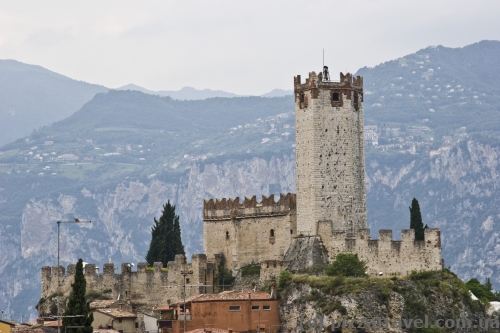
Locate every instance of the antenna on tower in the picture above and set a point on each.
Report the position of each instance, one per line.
(326, 74)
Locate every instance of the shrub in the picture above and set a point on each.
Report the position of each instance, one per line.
(346, 264)
(284, 279)
(92, 295)
(250, 270)
(225, 276)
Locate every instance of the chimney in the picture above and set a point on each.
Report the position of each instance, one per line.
(120, 306)
(2, 314)
(273, 290)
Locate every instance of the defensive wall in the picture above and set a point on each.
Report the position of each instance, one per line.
(144, 287)
(385, 255)
(249, 232)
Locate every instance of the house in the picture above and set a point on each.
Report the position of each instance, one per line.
(116, 319)
(229, 310)
(145, 323)
(5, 326)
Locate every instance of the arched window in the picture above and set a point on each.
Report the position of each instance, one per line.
(271, 233)
(336, 97)
(227, 234)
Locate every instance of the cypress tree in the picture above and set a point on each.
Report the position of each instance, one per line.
(166, 239)
(78, 305)
(416, 220)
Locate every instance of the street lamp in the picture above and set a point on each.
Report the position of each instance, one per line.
(184, 273)
(75, 220)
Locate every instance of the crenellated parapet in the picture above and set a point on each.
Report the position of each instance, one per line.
(347, 86)
(226, 209)
(143, 286)
(385, 256)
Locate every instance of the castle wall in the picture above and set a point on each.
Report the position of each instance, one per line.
(144, 288)
(249, 232)
(270, 270)
(389, 256)
(330, 174)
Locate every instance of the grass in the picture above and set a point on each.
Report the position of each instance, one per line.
(438, 294)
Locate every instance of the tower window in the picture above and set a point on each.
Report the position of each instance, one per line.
(336, 97)
(271, 233)
(291, 231)
(356, 101)
(227, 234)
(301, 97)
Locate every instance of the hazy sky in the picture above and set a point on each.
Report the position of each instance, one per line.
(246, 47)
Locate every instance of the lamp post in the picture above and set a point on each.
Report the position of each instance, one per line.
(184, 273)
(75, 220)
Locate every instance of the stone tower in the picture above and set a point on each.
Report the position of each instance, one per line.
(330, 158)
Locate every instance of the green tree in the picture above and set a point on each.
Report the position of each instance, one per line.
(78, 305)
(416, 220)
(482, 291)
(166, 239)
(346, 264)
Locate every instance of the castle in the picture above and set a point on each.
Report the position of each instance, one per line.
(326, 217)
(329, 210)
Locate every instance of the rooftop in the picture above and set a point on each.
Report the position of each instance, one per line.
(116, 313)
(213, 330)
(229, 295)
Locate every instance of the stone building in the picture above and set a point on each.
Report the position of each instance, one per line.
(327, 215)
(143, 288)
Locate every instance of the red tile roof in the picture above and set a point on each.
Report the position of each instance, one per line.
(213, 330)
(229, 295)
(116, 313)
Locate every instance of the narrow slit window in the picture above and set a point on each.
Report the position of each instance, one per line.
(227, 234)
(271, 233)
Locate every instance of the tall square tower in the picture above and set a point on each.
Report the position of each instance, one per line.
(330, 174)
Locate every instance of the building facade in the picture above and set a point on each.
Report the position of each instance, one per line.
(230, 310)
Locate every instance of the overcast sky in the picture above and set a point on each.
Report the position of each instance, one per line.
(246, 47)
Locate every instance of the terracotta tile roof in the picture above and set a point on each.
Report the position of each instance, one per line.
(229, 295)
(213, 330)
(162, 308)
(99, 304)
(116, 313)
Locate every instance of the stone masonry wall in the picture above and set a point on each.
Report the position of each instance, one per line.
(330, 174)
(249, 232)
(144, 288)
(386, 255)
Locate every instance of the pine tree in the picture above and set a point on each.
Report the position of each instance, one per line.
(78, 305)
(166, 239)
(416, 220)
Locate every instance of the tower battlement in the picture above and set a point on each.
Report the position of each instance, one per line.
(226, 209)
(347, 81)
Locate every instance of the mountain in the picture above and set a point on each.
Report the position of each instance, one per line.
(189, 93)
(186, 93)
(278, 93)
(124, 153)
(32, 96)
